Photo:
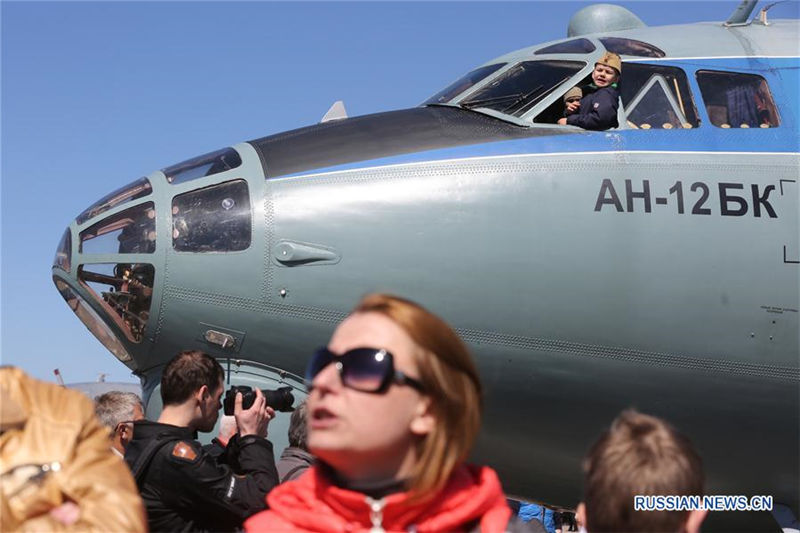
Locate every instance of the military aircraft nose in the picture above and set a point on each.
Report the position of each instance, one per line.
(104, 267)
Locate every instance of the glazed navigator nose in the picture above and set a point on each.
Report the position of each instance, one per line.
(103, 266)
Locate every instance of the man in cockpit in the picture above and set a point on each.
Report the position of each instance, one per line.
(597, 110)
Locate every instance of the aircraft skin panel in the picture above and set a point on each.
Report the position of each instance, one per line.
(516, 244)
(722, 411)
(731, 141)
(485, 196)
(380, 135)
(711, 39)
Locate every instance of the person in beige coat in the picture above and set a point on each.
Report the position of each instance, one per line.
(57, 472)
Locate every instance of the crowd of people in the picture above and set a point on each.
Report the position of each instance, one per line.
(380, 444)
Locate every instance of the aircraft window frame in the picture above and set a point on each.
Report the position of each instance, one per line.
(554, 108)
(92, 320)
(137, 224)
(642, 96)
(203, 166)
(130, 295)
(201, 211)
(624, 46)
(525, 101)
(63, 258)
(674, 84)
(710, 89)
(568, 47)
(132, 191)
(464, 83)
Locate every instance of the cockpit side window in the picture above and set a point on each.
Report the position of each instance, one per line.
(735, 100)
(575, 46)
(631, 47)
(462, 84)
(202, 166)
(132, 231)
(523, 86)
(212, 219)
(657, 97)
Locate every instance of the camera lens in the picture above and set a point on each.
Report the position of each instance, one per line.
(280, 399)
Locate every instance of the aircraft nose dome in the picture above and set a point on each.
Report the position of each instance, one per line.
(602, 18)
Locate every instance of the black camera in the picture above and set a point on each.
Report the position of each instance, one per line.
(279, 399)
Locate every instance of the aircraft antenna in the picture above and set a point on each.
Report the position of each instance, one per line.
(741, 13)
(336, 112)
(762, 15)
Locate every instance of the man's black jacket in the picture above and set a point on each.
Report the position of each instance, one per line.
(186, 489)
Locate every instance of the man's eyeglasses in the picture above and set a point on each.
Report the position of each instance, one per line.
(125, 423)
(362, 369)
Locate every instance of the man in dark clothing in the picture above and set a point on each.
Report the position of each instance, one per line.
(295, 459)
(597, 110)
(183, 487)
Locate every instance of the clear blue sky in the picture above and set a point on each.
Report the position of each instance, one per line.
(97, 94)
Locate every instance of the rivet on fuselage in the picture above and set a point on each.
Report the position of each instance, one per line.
(283, 293)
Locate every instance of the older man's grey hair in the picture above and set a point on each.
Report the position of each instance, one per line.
(115, 407)
(298, 430)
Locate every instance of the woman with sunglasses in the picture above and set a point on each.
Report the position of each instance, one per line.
(393, 409)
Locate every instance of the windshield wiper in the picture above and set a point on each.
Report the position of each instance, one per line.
(484, 101)
(518, 97)
(522, 98)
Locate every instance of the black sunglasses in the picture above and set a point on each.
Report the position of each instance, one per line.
(362, 369)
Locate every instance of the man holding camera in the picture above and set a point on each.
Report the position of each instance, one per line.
(183, 487)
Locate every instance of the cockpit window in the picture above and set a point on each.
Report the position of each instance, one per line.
(735, 100)
(462, 84)
(132, 231)
(212, 219)
(202, 166)
(631, 47)
(657, 97)
(92, 321)
(124, 291)
(523, 86)
(63, 257)
(132, 191)
(575, 46)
